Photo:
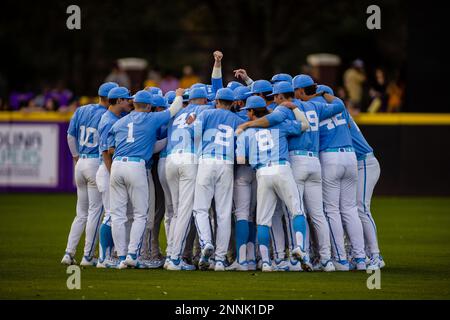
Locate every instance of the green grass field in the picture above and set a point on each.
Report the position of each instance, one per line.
(414, 235)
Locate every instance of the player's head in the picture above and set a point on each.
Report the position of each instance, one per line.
(262, 88)
(324, 88)
(198, 96)
(304, 87)
(158, 103)
(256, 107)
(170, 96)
(240, 96)
(224, 98)
(282, 91)
(119, 97)
(234, 84)
(154, 90)
(281, 77)
(142, 101)
(104, 89)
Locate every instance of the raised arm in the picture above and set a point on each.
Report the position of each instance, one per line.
(177, 103)
(242, 73)
(216, 75)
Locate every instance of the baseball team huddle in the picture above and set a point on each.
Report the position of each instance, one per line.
(268, 175)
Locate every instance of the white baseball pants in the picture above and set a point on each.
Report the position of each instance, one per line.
(181, 172)
(89, 207)
(214, 180)
(167, 202)
(128, 180)
(368, 174)
(340, 177)
(308, 177)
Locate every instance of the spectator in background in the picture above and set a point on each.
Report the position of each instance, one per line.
(378, 93)
(354, 79)
(119, 76)
(169, 83)
(395, 91)
(189, 78)
(153, 79)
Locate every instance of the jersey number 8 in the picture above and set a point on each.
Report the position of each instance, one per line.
(264, 139)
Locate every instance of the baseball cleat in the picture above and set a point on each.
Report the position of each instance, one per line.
(251, 265)
(179, 265)
(294, 265)
(359, 264)
(166, 263)
(155, 263)
(266, 267)
(122, 265)
(68, 260)
(207, 252)
(303, 257)
(375, 263)
(108, 263)
(219, 266)
(88, 262)
(280, 265)
(382, 263)
(327, 266)
(341, 265)
(236, 266)
(131, 261)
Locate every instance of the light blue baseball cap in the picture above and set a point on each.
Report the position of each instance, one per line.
(158, 101)
(260, 86)
(104, 89)
(281, 77)
(234, 84)
(282, 87)
(143, 96)
(225, 94)
(302, 81)
(198, 93)
(170, 96)
(154, 90)
(198, 85)
(322, 88)
(241, 93)
(254, 102)
(119, 92)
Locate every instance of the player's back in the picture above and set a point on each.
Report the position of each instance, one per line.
(334, 131)
(179, 136)
(84, 127)
(360, 143)
(265, 146)
(217, 127)
(135, 134)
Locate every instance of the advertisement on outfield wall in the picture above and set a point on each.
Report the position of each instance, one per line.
(29, 155)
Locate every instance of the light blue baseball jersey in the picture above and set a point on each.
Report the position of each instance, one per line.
(106, 122)
(359, 142)
(262, 146)
(179, 135)
(215, 129)
(84, 127)
(314, 112)
(243, 115)
(334, 131)
(135, 134)
(271, 106)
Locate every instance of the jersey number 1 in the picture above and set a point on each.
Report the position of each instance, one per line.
(130, 137)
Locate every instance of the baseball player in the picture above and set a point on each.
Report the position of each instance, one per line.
(131, 140)
(82, 138)
(244, 199)
(117, 107)
(267, 152)
(159, 104)
(181, 172)
(303, 152)
(215, 130)
(339, 186)
(368, 174)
